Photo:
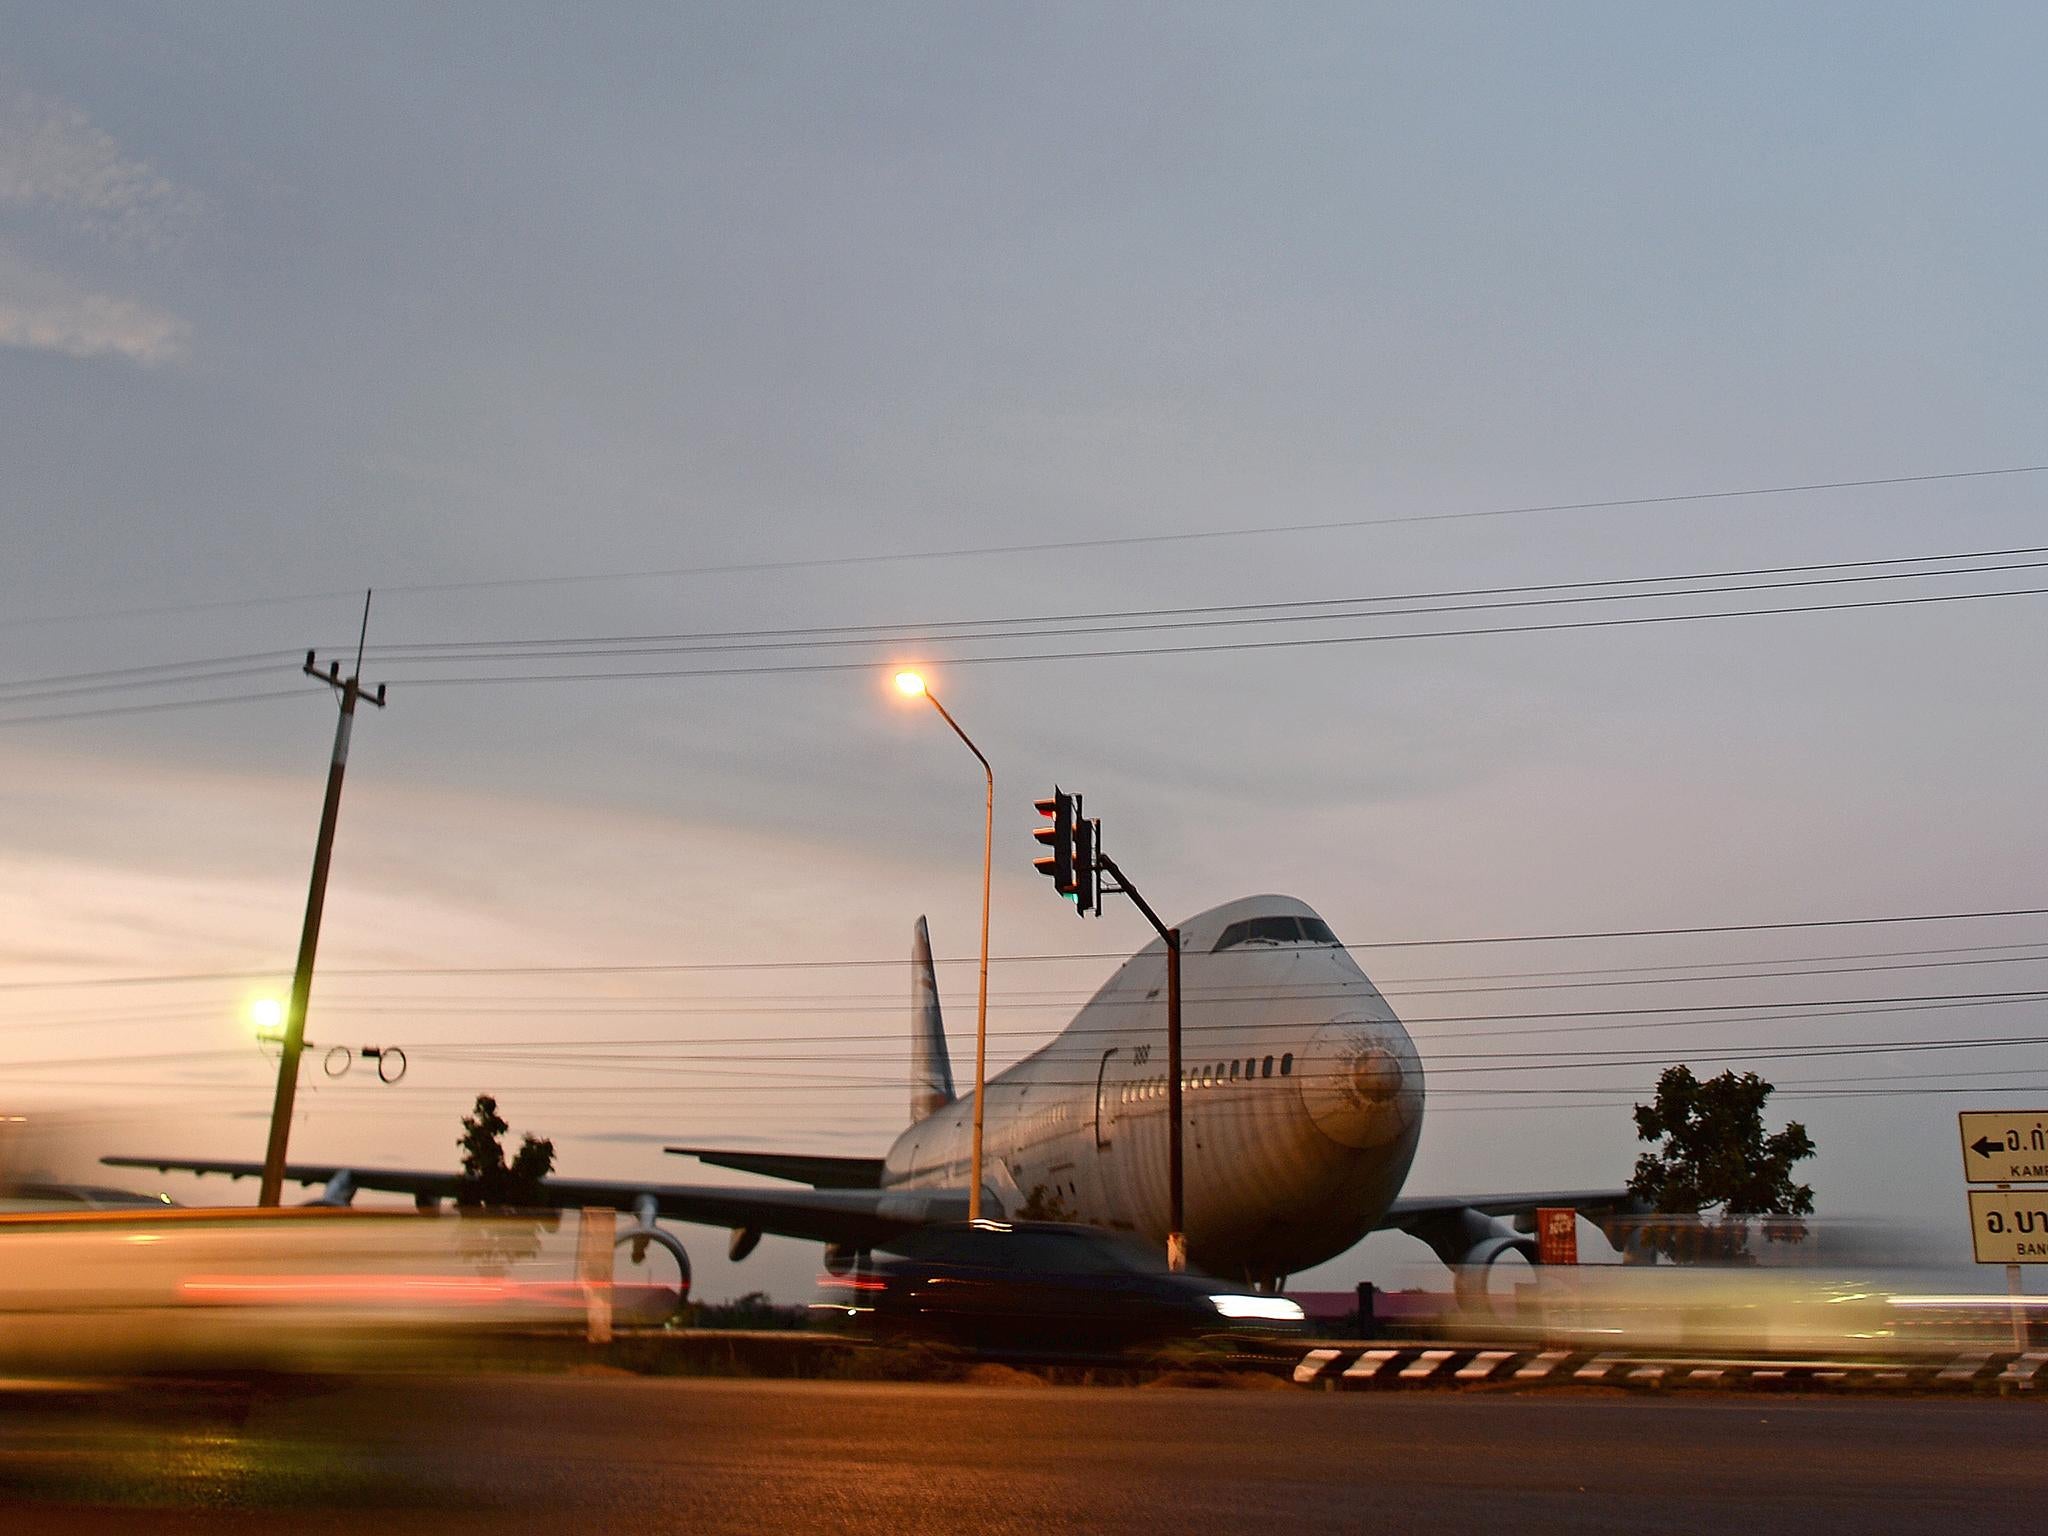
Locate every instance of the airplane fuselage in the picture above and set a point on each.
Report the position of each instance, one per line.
(1302, 1101)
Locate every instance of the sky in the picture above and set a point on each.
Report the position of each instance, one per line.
(703, 321)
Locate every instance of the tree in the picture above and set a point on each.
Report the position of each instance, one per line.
(486, 1178)
(1717, 1159)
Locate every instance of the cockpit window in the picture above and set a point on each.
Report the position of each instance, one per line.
(1275, 930)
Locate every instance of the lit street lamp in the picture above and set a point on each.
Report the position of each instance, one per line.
(911, 685)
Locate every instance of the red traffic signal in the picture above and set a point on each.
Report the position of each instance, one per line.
(1058, 837)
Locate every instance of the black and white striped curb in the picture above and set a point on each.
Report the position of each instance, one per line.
(1443, 1366)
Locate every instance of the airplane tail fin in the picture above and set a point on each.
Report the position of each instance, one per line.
(931, 1070)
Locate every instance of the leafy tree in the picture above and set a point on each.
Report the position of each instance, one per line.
(1716, 1159)
(487, 1180)
(490, 1188)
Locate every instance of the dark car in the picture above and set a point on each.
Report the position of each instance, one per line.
(1051, 1290)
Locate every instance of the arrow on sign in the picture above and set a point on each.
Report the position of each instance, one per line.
(1984, 1146)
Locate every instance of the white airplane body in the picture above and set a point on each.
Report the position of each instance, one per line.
(1302, 1103)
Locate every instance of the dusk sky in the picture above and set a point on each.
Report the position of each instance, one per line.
(671, 320)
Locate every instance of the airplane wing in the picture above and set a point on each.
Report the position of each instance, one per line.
(1594, 1204)
(1462, 1228)
(818, 1170)
(827, 1215)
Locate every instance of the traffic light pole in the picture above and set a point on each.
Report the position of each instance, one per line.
(272, 1191)
(1176, 1212)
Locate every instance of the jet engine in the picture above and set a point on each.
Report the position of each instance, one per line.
(843, 1258)
(1470, 1274)
(648, 1231)
(1470, 1243)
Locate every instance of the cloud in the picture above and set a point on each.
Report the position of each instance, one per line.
(42, 311)
(51, 156)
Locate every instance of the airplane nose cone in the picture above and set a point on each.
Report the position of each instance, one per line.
(1361, 1083)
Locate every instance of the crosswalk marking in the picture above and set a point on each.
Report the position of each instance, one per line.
(1484, 1364)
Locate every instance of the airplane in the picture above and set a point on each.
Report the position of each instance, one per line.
(1302, 1103)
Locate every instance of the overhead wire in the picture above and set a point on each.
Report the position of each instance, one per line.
(1207, 615)
(616, 968)
(1364, 608)
(1045, 546)
(158, 708)
(1211, 647)
(147, 670)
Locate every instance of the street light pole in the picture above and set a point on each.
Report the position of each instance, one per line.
(911, 683)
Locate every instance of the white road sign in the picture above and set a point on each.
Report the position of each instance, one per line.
(2005, 1146)
(2009, 1226)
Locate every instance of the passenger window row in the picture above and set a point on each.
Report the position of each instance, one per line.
(1148, 1089)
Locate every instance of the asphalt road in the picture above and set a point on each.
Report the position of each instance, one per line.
(504, 1454)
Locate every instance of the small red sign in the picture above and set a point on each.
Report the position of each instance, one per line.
(1557, 1236)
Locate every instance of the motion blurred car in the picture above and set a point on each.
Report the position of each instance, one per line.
(28, 1197)
(1049, 1290)
(115, 1289)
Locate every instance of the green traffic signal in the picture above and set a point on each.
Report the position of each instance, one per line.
(1058, 838)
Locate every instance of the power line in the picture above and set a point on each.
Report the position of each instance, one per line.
(604, 968)
(1734, 1014)
(1134, 620)
(826, 1066)
(763, 1079)
(1077, 1041)
(1212, 648)
(1126, 622)
(1279, 611)
(149, 709)
(1049, 546)
(503, 1006)
(491, 1004)
(150, 670)
(130, 685)
(878, 1002)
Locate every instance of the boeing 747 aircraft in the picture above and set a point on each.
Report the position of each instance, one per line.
(1303, 1100)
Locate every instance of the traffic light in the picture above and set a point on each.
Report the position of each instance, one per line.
(1058, 836)
(1087, 879)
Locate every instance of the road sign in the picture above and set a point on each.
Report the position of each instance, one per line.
(2009, 1226)
(2005, 1146)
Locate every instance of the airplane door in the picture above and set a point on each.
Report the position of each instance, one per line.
(1105, 1102)
(1105, 1206)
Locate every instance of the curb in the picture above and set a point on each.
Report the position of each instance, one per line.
(1397, 1366)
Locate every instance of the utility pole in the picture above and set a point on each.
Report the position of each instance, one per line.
(350, 689)
(1176, 1209)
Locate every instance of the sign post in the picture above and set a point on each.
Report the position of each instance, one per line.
(1557, 1258)
(2007, 1226)
(2004, 1148)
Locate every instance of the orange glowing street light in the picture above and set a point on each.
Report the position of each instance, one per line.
(912, 685)
(265, 1015)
